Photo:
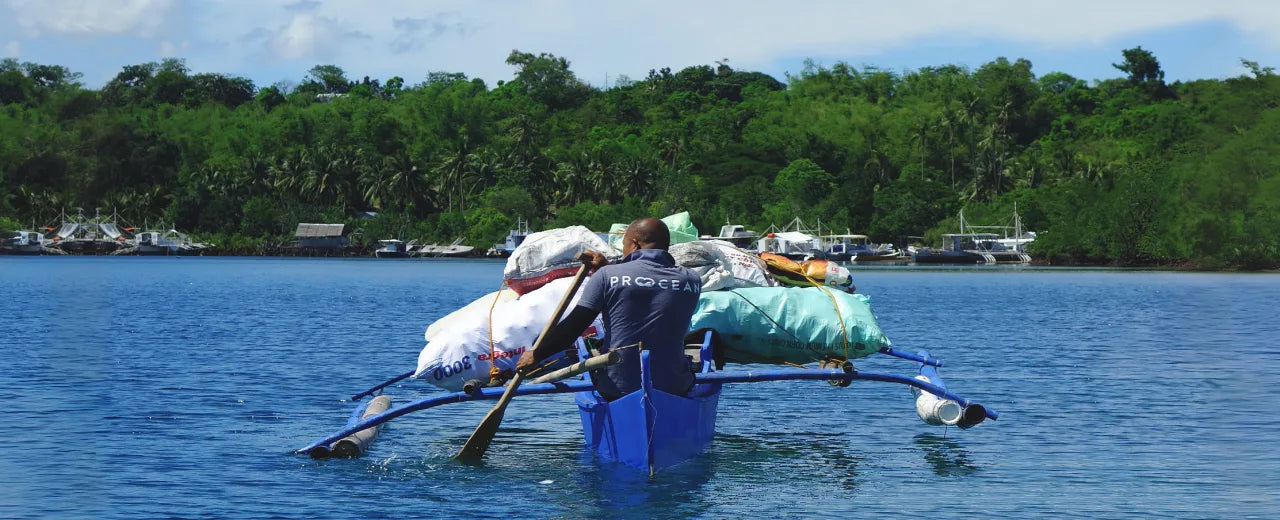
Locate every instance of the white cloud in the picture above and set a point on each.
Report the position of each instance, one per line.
(410, 37)
(278, 38)
(413, 34)
(12, 49)
(308, 36)
(169, 49)
(90, 17)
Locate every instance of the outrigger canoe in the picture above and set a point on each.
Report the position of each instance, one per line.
(650, 429)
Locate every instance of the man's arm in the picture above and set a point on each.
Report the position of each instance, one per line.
(559, 337)
(563, 333)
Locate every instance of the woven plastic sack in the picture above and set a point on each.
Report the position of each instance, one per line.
(471, 313)
(460, 351)
(789, 325)
(549, 255)
(721, 265)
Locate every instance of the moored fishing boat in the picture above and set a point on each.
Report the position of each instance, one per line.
(24, 243)
(392, 248)
(736, 234)
(996, 248)
(454, 249)
(89, 236)
(858, 248)
(795, 241)
(515, 237)
(957, 248)
(164, 243)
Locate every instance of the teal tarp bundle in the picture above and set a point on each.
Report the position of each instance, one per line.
(789, 325)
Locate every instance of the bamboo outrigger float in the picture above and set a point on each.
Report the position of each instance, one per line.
(650, 429)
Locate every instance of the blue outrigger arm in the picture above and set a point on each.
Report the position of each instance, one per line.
(973, 412)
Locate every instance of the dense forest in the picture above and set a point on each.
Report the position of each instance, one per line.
(1128, 171)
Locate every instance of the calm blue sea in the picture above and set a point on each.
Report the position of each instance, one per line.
(175, 387)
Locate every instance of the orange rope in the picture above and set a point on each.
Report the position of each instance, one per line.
(493, 360)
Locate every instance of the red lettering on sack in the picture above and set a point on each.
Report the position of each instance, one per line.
(501, 354)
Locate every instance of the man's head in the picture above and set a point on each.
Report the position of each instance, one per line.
(646, 233)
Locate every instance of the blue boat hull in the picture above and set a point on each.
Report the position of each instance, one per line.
(650, 430)
(947, 257)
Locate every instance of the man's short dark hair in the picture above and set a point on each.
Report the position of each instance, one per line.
(651, 233)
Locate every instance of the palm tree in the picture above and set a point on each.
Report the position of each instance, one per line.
(572, 180)
(484, 169)
(451, 172)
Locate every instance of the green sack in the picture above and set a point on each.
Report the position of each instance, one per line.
(680, 225)
(789, 325)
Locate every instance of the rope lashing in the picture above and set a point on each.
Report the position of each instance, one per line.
(493, 360)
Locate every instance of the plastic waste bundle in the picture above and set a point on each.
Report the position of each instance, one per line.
(458, 345)
(721, 265)
(804, 274)
(790, 325)
(679, 224)
(478, 309)
(549, 255)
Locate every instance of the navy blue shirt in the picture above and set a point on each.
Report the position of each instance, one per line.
(645, 298)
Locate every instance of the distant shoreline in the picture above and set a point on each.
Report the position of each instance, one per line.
(1180, 267)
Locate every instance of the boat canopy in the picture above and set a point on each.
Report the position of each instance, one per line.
(793, 236)
(109, 230)
(734, 231)
(68, 230)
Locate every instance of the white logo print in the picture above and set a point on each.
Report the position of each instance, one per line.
(674, 284)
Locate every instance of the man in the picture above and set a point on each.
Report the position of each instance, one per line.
(645, 298)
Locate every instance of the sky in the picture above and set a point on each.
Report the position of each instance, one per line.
(270, 41)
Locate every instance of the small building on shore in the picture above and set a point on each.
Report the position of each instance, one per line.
(327, 237)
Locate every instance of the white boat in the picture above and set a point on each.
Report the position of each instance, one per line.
(392, 248)
(514, 238)
(858, 248)
(736, 234)
(793, 241)
(454, 249)
(24, 243)
(165, 243)
(1000, 247)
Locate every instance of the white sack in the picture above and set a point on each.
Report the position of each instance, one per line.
(551, 254)
(460, 351)
(473, 313)
(721, 265)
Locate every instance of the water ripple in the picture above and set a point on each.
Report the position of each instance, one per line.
(153, 388)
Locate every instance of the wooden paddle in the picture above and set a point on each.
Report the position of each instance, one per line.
(480, 439)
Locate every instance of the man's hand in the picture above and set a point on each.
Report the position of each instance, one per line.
(594, 259)
(526, 362)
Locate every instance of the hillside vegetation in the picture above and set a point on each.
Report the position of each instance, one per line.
(1129, 171)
